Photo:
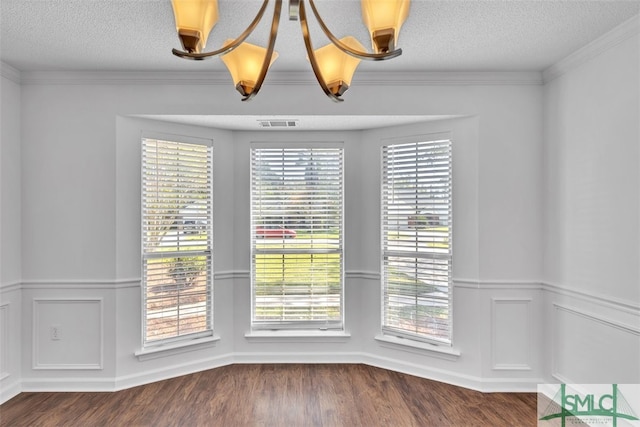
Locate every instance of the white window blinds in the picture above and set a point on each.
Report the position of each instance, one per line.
(416, 240)
(296, 228)
(176, 240)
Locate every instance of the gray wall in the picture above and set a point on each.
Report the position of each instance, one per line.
(592, 217)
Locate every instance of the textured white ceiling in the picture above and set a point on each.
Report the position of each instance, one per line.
(454, 35)
(451, 35)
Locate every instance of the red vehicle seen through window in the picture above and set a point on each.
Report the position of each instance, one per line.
(275, 231)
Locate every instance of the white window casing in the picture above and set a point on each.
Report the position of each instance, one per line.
(177, 240)
(297, 238)
(416, 241)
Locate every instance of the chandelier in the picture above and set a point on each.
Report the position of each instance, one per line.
(333, 64)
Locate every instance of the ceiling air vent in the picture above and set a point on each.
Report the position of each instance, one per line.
(279, 123)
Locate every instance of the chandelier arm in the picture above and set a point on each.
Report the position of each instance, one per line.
(228, 48)
(312, 58)
(343, 47)
(275, 22)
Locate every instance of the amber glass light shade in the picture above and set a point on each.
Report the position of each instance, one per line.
(337, 68)
(244, 64)
(194, 21)
(384, 18)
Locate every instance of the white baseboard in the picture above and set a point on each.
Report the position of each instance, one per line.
(68, 384)
(328, 358)
(167, 372)
(9, 391)
(458, 377)
(485, 385)
(128, 381)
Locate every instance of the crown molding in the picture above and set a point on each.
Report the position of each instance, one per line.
(428, 78)
(422, 78)
(622, 32)
(124, 78)
(8, 72)
(411, 78)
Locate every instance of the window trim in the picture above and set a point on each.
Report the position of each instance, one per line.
(389, 336)
(419, 347)
(298, 336)
(297, 331)
(179, 343)
(176, 347)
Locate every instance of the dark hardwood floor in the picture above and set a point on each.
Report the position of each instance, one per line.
(278, 395)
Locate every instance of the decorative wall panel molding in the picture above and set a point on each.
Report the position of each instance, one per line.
(68, 334)
(5, 369)
(81, 284)
(612, 347)
(511, 334)
(634, 330)
(610, 302)
(135, 282)
(10, 287)
(496, 284)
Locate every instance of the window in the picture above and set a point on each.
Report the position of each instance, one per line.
(296, 221)
(416, 240)
(176, 240)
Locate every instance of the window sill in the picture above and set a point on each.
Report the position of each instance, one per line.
(298, 336)
(176, 348)
(405, 344)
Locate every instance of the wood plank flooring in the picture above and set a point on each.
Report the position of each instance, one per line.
(278, 395)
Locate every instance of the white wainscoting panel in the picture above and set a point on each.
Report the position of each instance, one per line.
(511, 334)
(4, 341)
(80, 334)
(591, 348)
